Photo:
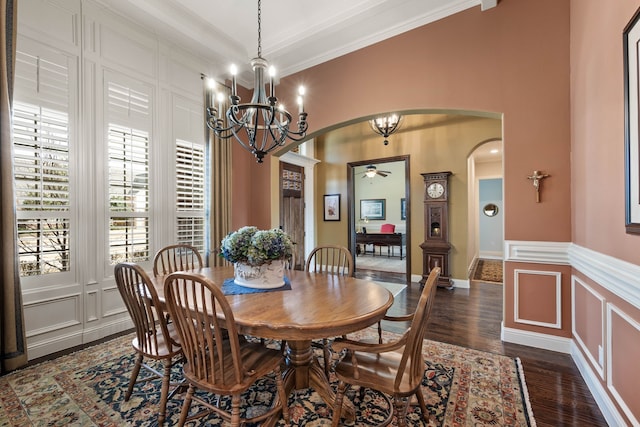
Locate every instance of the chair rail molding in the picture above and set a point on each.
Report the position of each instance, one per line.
(615, 275)
(537, 252)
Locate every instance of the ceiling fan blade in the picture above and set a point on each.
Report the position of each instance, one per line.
(382, 174)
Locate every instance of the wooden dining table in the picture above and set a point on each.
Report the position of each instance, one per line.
(317, 306)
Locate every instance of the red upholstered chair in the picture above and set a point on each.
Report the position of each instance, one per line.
(387, 228)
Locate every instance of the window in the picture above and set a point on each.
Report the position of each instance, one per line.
(41, 171)
(127, 207)
(129, 186)
(128, 195)
(190, 178)
(42, 151)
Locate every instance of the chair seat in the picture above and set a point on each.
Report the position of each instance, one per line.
(161, 350)
(377, 371)
(256, 359)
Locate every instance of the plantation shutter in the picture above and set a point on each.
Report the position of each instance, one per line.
(128, 142)
(190, 203)
(41, 161)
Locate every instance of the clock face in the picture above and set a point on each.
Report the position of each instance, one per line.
(435, 190)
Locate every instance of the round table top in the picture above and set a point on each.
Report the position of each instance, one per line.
(316, 306)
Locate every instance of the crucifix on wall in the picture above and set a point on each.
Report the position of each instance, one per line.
(536, 180)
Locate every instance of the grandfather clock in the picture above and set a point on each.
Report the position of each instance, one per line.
(436, 246)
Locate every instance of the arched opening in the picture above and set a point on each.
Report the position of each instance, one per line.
(434, 140)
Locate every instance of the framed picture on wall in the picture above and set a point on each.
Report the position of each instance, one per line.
(372, 209)
(332, 207)
(631, 39)
(403, 208)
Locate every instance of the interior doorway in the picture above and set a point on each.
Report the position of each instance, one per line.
(292, 209)
(378, 195)
(486, 208)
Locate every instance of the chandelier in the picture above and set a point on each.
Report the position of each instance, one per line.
(386, 125)
(263, 124)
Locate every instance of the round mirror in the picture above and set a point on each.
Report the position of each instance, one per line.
(490, 209)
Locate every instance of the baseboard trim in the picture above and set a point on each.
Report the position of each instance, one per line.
(106, 329)
(491, 255)
(45, 347)
(535, 339)
(604, 402)
(461, 284)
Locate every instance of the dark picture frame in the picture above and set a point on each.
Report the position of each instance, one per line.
(403, 208)
(331, 207)
(372, 208)
(631, 39)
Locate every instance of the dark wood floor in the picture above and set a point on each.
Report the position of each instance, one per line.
(471, 318)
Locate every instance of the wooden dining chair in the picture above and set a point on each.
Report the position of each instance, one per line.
(219, 363)
(330, 259)
(155, 339)
(395, 368)
(178, 257)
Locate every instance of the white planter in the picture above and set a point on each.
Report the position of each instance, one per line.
(265, 276)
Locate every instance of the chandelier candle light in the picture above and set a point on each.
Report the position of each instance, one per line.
(385, 125)
(263, 124)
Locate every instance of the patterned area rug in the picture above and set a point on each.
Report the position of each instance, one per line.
(462, 387)
(488, 270)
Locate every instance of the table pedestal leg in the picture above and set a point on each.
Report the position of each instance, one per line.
(303, 371)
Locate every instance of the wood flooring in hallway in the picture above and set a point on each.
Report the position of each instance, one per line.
(471, 318)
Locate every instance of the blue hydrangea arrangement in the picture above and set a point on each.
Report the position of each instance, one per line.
(255, 247)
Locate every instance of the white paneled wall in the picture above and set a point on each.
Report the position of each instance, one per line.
(97, 47)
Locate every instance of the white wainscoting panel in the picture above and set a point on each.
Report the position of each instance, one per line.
(91, 306)
(112, 303)
(516, 288)
(604, 402)
(46, 315)
(595, 363)
(610, 385)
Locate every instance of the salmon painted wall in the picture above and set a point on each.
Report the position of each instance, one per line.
(597, 127)
(606, 327)
(512, 59)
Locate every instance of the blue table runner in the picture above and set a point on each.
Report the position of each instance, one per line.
(230, 287)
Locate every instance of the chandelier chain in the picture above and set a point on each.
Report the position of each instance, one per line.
(259, 28)
(262, 124)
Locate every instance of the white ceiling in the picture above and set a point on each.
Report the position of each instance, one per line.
(296, 34)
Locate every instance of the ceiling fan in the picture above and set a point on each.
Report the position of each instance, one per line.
(372, 171)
